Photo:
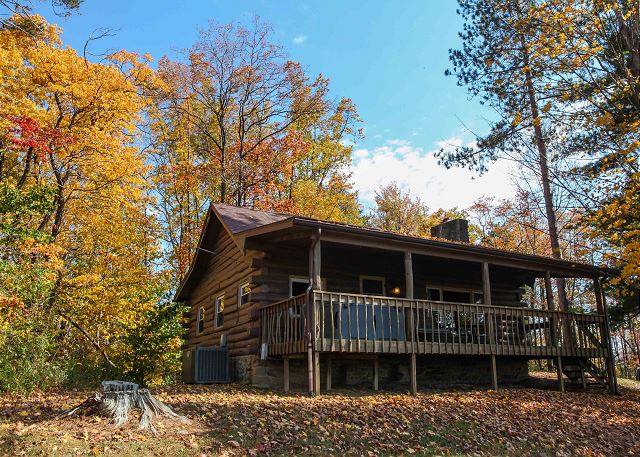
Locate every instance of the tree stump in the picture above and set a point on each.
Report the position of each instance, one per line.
(118, 398)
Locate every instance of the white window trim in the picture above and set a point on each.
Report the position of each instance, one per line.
(305, 280)
(200, 318)
(216, 304)
(374, 278)
(242, 286)
(292, 279)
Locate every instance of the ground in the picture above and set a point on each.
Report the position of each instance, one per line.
(235, 420)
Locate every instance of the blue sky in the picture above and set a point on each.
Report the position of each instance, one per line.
(388, 57)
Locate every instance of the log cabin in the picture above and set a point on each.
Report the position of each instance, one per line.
(314, 304)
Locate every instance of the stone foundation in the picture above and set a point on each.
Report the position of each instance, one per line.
(393, 371)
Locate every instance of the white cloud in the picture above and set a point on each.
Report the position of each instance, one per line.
(299, 39)
(397, 142)
(418, 171)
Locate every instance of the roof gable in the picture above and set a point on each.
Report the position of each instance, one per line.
(234, 220)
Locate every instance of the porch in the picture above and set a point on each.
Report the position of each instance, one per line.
(405, 298)
(368, 326)
(350, 323)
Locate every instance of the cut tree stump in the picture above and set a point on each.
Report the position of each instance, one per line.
(118, 398)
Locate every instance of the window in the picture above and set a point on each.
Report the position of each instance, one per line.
(219, 311)
(244, 294)
(200, 321)
(372, 285)
(297, 285)
(434, 294)
(455, 295)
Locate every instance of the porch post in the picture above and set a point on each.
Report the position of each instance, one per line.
(494, 372)
(551, 306)
(414, 377)
(408, 279)
(559, 369)
(601, 306)
(317, 264)
(375, 372)
(316, 372)
(486, 284)
(313, 357)
(286, 373)
(408, 274)
(490, 322)
(329, 374)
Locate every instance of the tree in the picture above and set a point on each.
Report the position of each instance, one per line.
(398, 211)
(73, 179)
(235, 121)
(238, 92)
(11, 9)
(500, 62)
(598, 82)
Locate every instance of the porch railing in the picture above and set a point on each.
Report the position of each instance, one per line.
(371, 324)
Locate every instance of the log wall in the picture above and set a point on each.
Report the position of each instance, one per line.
(225, 272)
(268, 271)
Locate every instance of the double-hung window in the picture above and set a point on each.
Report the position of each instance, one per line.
(244, 294)
(200, 320)
(219, 311)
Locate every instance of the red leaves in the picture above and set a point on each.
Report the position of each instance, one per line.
(27, 133)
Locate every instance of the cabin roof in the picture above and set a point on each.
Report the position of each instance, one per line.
(243, 223)
(238, 219)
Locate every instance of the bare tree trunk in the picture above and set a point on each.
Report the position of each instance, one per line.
(545, 181)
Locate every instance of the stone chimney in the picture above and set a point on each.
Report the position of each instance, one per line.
(454, 229)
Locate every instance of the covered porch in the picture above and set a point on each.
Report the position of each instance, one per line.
(431, 302)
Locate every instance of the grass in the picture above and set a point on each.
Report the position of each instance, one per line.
(238, 420)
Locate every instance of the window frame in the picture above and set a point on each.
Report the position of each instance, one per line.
(301, 279)
(304, 280)
(217, 312)
(442, 289)
(382, 279)
(240, 294)
(200, 320)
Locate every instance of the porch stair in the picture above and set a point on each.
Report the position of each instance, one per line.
(573, 367)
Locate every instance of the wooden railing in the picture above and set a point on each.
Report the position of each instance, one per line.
(369, 324)
(283, 326)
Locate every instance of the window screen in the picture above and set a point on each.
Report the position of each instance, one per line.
(219, 311)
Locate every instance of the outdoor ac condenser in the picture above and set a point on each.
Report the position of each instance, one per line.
(206, 365)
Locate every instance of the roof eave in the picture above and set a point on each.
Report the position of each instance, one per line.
(587, 269)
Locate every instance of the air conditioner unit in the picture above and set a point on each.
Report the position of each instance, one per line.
(206, 365)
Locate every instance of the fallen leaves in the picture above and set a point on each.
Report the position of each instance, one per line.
(239, 420)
